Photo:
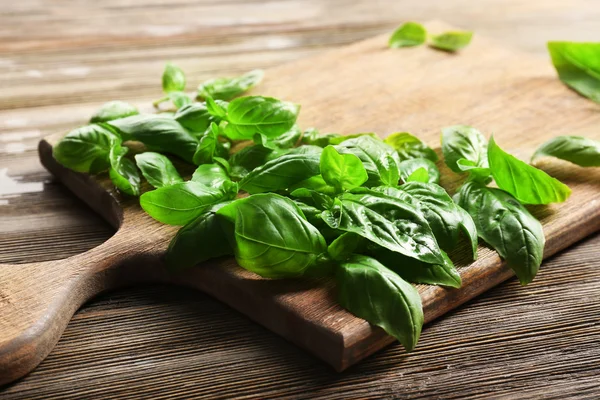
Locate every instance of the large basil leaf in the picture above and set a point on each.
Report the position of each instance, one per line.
(528, 184)
(505, 225)
(86, 149)
(371, 291)
(113, 110)
(578, 66)
(408, 35)
(344, 246)
(181, 203)
(408, 168)
(342, 171)
(159, 133)
(281, 173)
(409, 146)
(254, 156)
(157, 169)
(386, 221)
(212, 175)
(315, 183)
(123, 172)
(576, 149)
(415, 271)
(257, 114)
(195, 117)
(376, 157)
(173, 79)
(228, 88)
(271, 237)
(198, 241)
(463, 142)
(451, 41)
(207, 146)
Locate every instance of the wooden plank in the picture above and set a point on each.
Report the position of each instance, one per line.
(377, 89)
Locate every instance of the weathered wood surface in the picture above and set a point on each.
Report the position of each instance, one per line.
(22, 122)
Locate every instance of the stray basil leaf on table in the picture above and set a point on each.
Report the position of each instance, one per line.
(578, 66)
(408, 35)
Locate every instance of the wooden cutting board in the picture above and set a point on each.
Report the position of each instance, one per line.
(365, 87)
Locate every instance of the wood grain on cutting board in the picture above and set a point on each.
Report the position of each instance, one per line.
(363, 87)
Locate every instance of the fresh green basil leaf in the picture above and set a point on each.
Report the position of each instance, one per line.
(157, 169)
(271, 237)
(281, 173)
(478, 174)
(409, 146)
(207, 147)
(180, 99)
(198, 241)
(86, 149)
(371, 291)
(337, 139)
(256, 114)
(374, 155)
(159, 133)
(386, 221)
(528, 184)
(505, 225)
(306, 149)
(320, 200)
(264, 141)
(315, 183)
(195, 117)
(113, 110)
(312, 137)
(461, 141)
(286, 140)
(228, 88)
(181, 203)
(173, 79)
(251, 157)
(123, 172)
(578, 66)
(408, 35)
(342, 171)
(344, 246)
(215, 109)
(415, 271)
(211, 175)
(408, 168)
(451, 41)
(576, 149)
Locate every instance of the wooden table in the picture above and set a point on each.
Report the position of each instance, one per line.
(60, 60)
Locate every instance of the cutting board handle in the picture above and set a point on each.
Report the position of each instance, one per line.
(37, 300)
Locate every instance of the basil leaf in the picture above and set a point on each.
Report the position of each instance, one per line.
(478, 174)
(337, 139)
(286, 140)
(415, 271)
(578, 66)
(505, 225)
(251, 157)
(113, 110)
(344, 246)
(528, 184)
(180, 99)
(181, 203)
(217, 110)
(429, 172)
(409, 146)
(228, 88)
(408, 35)
(211, 175)
(576, 149)
(257, 114)
(451, 41)
(198, 241)
(386, 221)
(374, 155)
(207, 147)
(123, 172)
(195, 117)
(281, 173)
(86, 149)
(173, 79)
(461, 141)
(271, 236)
(371, 291)
(312, 137)
(157, 169)
(343, 172)
(159, 133)
(315, 183)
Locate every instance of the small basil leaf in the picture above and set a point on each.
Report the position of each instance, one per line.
(460, 141)
(344, 246)
(389, 173)
(528, 184)
(159, 133)
(371, 291)
(271, 237)
(181, 203)
(408, 35)
(157, 169)
(320, 200)
(123, 172)
(451, 41)
(342, 171)
(215, 109)
(409, 146)
(251, 157)
(198, 241)
(315, 183)
(257, 114)
(194, 117)
(373, 153)
(173, 79)
(211, 175)
(312, 137)
(286, 140)
(578, 66)
(337, 139)
(429, 172)
(228, 88)
(576, 149)
(281, 173)
(179, 99)
(479, 174)
(505, 225)
(86, 149)
(113, 110)
(207, 147)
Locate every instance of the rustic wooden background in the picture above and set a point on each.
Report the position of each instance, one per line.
(61, 59)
